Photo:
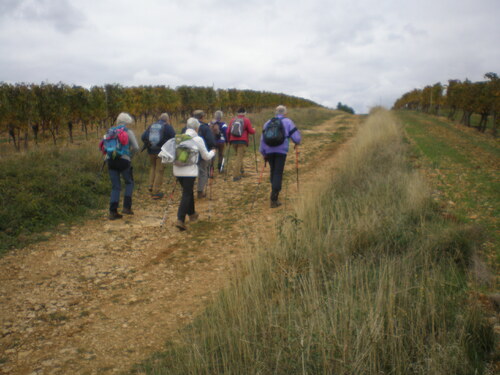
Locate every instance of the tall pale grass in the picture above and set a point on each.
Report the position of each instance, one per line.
(364, 278)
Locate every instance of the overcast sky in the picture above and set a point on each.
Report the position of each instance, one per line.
(358, 52)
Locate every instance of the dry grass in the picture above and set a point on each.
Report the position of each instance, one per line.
(365, 278)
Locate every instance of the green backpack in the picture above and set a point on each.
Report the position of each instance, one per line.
(186, 150)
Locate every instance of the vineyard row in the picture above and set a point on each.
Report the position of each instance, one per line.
(48, 107)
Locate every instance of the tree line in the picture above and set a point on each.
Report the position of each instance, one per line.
(49, 108)
(460, 100)
(345, 108)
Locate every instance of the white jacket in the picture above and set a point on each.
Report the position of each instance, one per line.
(190, 170)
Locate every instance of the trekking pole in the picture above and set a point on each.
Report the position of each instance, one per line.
(210, 178)
(169, 201)
(222, 165)
(227, 163)
(286, 192)
(258, 183)
(297, 164)
(255, 153)
(102, 168)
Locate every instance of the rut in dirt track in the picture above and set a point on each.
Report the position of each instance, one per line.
(109, 293)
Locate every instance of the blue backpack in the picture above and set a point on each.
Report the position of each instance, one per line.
(155, 136)
(115, 143)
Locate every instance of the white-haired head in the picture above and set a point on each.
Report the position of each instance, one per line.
(164, 117)
(281, 110)
(193, 123)
(124, 119)
(218, 115)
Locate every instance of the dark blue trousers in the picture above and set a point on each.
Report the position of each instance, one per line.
(277, 163)
(116, 168)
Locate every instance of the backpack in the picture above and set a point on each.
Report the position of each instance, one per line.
(115, 143)
(181, 150)
(215, 127)
(274, 133)
(238, 127)
(155, 135)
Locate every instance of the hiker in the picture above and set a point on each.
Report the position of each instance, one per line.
(206, 134)
(186, 168)
(237, 133)
(274, 144)
(119, 160)
(153, 138)
(219, 130)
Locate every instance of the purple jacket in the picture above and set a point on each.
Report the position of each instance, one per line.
(282, 148)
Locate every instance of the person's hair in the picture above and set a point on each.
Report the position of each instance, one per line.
(164, 117)
(124, 119)
(198, 114)
(280, 110)
(193, 123)
(242, 110)
(218, 115)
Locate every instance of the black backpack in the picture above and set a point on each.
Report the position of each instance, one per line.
(274, 132)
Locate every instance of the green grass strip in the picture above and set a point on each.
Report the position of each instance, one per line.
(464, 167)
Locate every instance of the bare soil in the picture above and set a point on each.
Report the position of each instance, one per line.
(108, 294)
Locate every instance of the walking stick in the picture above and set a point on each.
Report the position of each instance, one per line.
(255, 153)
(222, 165)
(102, 168)
(258, 183)
(297, 164)
(210, 178)
(227, 163)
(169, 201)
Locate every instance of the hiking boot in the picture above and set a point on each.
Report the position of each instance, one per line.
(194, 217)
(113, 215)
(180, 225)
(275, 204)
(157, 196)
(127, 211)
(201, 195)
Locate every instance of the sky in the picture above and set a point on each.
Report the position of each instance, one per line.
(362, 53)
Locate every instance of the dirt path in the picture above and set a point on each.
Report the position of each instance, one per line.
(109, 293)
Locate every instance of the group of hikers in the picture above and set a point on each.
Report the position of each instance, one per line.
(192, 154)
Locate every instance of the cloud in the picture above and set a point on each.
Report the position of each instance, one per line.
(60, 14)
(351, 51)
(7, 7)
